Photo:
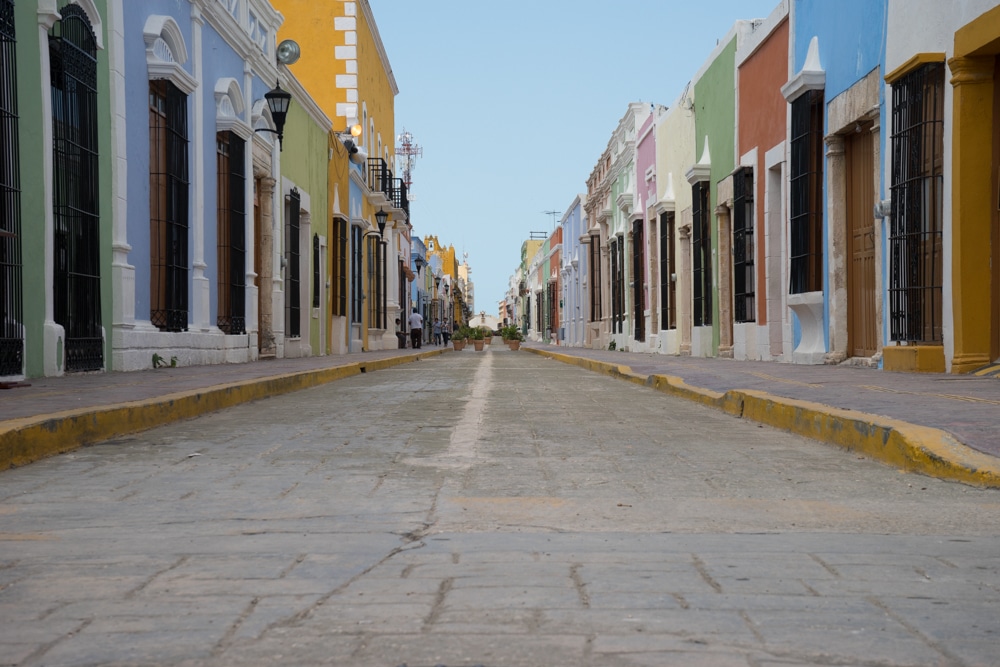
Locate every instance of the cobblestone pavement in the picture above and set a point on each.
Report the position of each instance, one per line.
(492, 509)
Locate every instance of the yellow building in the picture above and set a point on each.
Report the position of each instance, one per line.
(345, 68)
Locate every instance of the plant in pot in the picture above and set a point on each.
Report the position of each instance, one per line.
(487, 334)
(514, 338)
(458, 340)
(477, 338)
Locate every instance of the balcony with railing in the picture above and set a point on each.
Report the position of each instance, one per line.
(379, 181)
(400, 197)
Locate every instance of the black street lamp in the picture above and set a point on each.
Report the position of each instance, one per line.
(277, 103)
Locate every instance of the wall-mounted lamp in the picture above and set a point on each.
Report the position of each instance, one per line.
(419, 261)
(380, 219)
(277, 103)
(287, 53)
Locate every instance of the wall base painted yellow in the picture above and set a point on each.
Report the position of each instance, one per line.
(914, 359)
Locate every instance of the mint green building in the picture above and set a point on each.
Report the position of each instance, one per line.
(710, 179)
(56, 187)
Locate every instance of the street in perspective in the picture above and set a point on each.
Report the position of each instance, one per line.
(500, 509)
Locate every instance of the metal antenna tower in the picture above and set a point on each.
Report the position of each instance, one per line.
(407, 153)
(553, 214)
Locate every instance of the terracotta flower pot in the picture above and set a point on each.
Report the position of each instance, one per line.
(514, 345)
(479, 345)
(459, 345)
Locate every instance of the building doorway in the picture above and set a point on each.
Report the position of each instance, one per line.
(862, 332)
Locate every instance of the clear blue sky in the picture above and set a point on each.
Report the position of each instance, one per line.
(513, 103)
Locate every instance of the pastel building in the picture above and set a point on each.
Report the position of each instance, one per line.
(57, 188)
(345, 68)
(675, 153)
(573, 274)
(711, 181)
(195, 254)
(942, 67)
(761, 322)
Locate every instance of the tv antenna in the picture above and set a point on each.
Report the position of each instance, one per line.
(553, 214)
(407, 152)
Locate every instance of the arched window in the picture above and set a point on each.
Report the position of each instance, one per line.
(11, 330)
(169, 86)
(76, 218)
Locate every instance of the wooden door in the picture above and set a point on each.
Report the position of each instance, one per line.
(861, 311)
(995, 233)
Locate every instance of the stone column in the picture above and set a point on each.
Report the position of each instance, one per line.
(723, 219)
(839, 265)
(265, 272)
(972, 141)
(683, 292)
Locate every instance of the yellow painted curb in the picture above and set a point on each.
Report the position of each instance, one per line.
(32, 438)
(923, 449)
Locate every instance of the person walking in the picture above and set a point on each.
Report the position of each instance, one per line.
(437, 332)
(445, 331)
(416, 329)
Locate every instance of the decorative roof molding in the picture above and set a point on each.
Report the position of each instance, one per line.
(812, 76)
(166, 52)
(229, 108)
(702, 171)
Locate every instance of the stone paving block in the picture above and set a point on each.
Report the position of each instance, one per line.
(841, 637)
(28, 631)
(337, 616)
(478, 597)
(466, 650)
(270, 610)
(16, 653)
(687, 658)
(122, 648)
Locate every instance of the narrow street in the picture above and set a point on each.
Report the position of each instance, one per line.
(469, 509)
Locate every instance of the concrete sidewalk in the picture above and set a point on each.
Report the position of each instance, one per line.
(945, 426)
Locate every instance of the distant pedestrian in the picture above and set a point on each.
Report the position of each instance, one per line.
(416, 329)
(445, 331)
(437, 332)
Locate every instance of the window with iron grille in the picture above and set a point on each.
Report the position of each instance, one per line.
(315, 272)
(638, 280)
(594, 283)
(701, 251)
(339, 264)
(668, 301)
(915, 231)
(806, 194)
(231, 223)
(357, 276)
(293, 299)
(552, 300)
(539, 312)
(743, 250)
(168, 206)
(11, 329)
(376, 284)
(76, 196)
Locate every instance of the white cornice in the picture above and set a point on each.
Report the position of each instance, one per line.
(812, 76)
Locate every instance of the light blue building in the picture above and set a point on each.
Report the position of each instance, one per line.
(836, 143)
(197, 239)
(573, 275)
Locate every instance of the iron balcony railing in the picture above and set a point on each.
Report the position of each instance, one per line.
(379, 177)
(400, 199)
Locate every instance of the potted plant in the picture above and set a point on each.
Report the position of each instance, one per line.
(487, 335)
(477, 338)
(459, 337)
(513, 337)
